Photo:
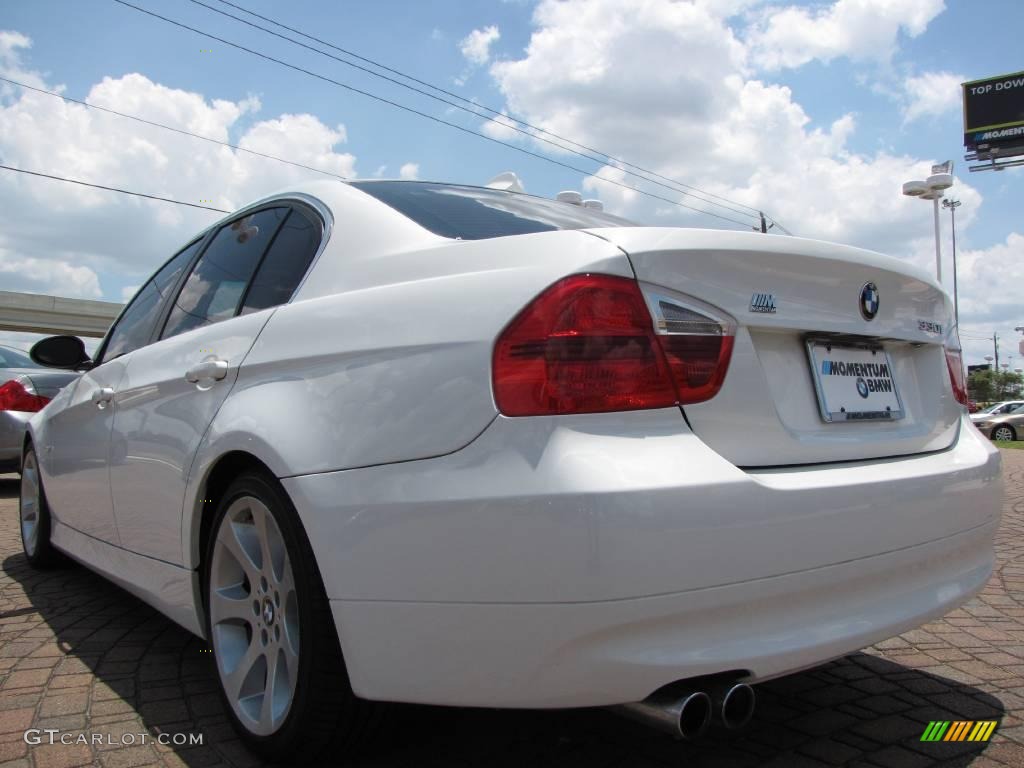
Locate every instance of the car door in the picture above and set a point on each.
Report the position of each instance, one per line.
(75, 450)
(172, 389)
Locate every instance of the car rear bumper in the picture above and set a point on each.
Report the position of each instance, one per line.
(590, 560)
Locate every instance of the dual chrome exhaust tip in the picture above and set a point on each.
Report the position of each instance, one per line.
(735, 705)
(688, 714)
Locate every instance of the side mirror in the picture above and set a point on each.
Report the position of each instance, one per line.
(60, 352)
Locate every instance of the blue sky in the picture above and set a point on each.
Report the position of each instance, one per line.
(814, 111)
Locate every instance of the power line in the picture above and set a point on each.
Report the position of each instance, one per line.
(474, 109)
(478, 106)
(428, 116)
(112, 189)
(171, 128)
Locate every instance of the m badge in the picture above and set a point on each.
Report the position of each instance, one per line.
(763, 303)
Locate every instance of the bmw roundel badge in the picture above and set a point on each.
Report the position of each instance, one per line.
(869, 301)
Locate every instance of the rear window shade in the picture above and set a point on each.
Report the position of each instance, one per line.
(478, 213)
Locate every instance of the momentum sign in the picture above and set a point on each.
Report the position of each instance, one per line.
(994, 111)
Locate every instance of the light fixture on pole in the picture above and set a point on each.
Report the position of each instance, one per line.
(932, 189)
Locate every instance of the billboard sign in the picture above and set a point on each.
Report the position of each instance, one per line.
(994, 111)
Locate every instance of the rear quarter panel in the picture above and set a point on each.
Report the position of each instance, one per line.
(394, 365)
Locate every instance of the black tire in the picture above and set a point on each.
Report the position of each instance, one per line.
(1012, 431)
(35, 543)
(323, 710)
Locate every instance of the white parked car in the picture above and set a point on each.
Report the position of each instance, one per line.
(996, 409)
(403, 441)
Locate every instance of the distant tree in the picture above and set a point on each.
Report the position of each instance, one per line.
(992, 386)
(1014, 384)
(981, 387)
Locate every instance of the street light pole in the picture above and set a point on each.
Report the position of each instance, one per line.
(952, 205)
(932, 189)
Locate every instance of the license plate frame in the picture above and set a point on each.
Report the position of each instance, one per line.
(834, 403)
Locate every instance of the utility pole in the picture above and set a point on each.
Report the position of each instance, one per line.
(995, 377)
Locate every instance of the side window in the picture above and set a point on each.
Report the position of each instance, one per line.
(135, 325)
(285, 263)
(214, 289)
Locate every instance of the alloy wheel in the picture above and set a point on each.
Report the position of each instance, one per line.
(1003, 433)
(254, 616)
(29, 505)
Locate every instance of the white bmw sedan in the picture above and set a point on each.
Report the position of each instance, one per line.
(416, 442)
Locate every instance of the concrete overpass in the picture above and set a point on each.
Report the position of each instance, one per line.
(37, 313)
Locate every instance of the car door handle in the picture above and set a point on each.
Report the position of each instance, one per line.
(102, 396)
(215, 369)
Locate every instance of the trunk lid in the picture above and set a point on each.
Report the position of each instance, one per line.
(784, 292)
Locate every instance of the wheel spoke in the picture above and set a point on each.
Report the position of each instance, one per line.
(285, 584)
(233, 680)
(225, 607)
(228, 537)
(267, 706)
(291, 661)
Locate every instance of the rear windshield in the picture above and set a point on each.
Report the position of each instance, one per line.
(477, 213)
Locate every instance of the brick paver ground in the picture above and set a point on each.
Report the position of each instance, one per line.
(79, 654)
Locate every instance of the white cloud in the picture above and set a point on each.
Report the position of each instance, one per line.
(931, 94)
(40, 275)
(501, 127)
(409, 171)
(11, 46)
(986, 303)
(791, 36)
(983, 277)
(476, 46)
(708, 123)
(72, 240)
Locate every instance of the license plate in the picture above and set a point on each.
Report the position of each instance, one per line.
(854, 383)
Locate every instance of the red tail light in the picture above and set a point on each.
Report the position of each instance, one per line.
(955, 364)
(15, 397)
(587, 344)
